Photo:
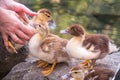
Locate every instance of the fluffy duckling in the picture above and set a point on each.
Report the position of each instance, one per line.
(38, 19)
(80, 72)
(88, 47)
(45, 46)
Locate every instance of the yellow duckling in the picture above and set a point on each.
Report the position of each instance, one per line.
(80, 72)
(88, 47)
(45, 46)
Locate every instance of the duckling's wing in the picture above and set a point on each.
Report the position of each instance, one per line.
(51, 44)
(47, 44)
(99, 41)
(56, 45)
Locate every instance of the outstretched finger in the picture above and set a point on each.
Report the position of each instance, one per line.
(28, 11)
(18, 7)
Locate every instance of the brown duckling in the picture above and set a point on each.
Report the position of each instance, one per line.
(47, 47)
(80, 72)
(88, 47)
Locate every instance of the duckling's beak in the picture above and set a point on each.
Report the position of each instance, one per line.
(52, 24)
(64, 31)
(66, 76)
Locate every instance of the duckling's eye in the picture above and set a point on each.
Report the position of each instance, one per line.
(48, 16)
(75, 72)
(39, 25)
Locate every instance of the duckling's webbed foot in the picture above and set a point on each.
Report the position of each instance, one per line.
(86, 63)
(48, 70)
(12, 47)
(42, 64)
(89, 63)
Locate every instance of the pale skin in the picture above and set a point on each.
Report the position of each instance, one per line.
(10, 23)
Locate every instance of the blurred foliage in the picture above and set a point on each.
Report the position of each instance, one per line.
(97, 16)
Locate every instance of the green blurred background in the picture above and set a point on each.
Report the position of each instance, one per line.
(97, 16)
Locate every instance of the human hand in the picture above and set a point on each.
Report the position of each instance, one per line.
(20, 9)
(11, 26)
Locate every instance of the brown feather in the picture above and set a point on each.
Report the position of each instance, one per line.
(100, 42)
(54, 44)
(101, 73)
(44, 10)
(76, 30)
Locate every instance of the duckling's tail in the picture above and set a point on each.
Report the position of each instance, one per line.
(113, 48)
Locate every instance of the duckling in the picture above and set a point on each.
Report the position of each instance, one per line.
(88, 47)
(80, 72)
(13, 47)
(45, 46)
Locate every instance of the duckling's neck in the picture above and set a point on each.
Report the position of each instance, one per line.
(34, 43)
(78, 79)
(42, 36)
(78, 38)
